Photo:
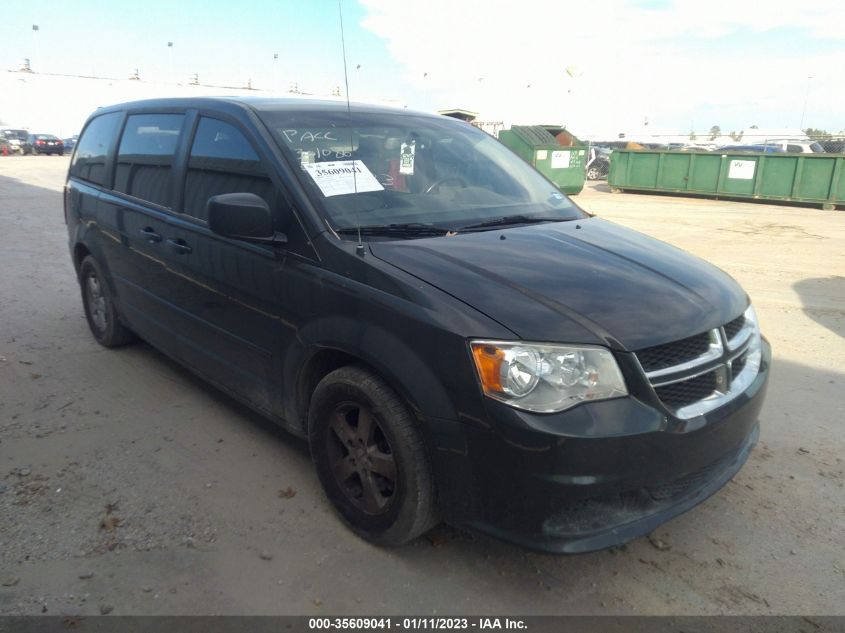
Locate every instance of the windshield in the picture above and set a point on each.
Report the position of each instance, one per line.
(387, 169)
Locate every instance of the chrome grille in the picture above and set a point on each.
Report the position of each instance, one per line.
(738, 364)
(685, 392)
(671, 354)
(701, 372)
(733, 327)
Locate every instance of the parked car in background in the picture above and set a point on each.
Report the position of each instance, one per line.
(766, 149)
(699, 147)
(16, 139)
(43, 144)
(598, 163)
(795, 147)
(70, 143)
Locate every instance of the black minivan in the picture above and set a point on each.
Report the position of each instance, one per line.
(456, 339)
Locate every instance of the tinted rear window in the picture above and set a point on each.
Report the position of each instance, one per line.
(89, 161)
(145, 157)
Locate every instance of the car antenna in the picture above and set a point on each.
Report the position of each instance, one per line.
(360, 247)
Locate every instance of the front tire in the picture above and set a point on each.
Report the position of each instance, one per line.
(370, 457)
(100, 311)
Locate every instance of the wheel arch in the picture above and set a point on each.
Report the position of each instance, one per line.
(353, 342)
(80, 252)
(324, 360)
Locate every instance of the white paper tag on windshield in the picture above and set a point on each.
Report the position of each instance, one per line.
(342, 177)
(407, 153)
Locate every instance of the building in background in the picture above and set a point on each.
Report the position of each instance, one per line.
(60, 104)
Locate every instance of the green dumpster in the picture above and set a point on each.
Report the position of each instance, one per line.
(817, 178)
(563, 165)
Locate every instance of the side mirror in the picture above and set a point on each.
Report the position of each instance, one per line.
(243, 216)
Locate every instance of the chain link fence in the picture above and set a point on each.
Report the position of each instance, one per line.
(833, 145)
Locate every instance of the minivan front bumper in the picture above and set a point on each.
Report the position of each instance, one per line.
(600, 474)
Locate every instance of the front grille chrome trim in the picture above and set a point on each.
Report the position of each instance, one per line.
(739, 384)
(684, 378)
(741, 337)
(734, 362)
(714, 351)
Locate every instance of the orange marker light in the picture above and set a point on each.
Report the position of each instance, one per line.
(488, 362)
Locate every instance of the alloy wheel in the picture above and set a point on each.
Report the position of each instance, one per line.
(360, 458)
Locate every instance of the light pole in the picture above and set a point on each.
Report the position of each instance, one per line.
(170, 55)
(806, 98)
(36, 55)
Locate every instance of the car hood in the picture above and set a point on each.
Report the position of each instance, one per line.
(585, 281)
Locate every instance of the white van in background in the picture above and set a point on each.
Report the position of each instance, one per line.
(796, 147)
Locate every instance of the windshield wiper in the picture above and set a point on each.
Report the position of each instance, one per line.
(509, 220)
(409, 229)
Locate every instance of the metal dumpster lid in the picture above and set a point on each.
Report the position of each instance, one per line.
(556, 130)
(534, 135)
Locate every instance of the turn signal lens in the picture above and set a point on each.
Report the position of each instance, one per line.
(488, 361)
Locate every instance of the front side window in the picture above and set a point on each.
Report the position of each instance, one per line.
(222, 161)
(145, 156)
(379, 169)
(89, 161)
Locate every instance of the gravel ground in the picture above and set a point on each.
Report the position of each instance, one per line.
(129, 487)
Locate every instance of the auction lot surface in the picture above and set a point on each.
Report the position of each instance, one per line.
(127, 486)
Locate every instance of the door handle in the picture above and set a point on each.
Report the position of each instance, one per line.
(180, 246)
(150, 234)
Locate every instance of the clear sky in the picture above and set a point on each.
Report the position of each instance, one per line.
(602, 65)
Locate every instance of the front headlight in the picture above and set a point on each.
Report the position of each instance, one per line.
(546, 378)
(750, 315)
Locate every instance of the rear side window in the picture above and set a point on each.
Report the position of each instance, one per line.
(145, 156)
(89, 161)
(794, 149)
(223, 161)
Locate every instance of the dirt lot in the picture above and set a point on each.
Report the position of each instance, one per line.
(128, 486)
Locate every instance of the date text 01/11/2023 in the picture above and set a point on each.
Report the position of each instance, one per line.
(415, 624)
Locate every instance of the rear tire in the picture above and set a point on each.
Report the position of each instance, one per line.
(100, 311)
(370, 457)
